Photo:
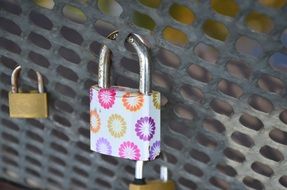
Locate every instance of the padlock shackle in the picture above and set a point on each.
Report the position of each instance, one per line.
(144, 62)
(14, 80)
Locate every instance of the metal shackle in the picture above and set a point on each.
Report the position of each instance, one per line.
(163, 170)
(144, 62)
(14, 80)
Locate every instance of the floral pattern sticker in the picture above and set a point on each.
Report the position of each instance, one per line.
(133, 103)
(154, 150)
(117, 125)
(156, 100)
(103, 146)
(95, 121)
(145, 128)
(129, 150)
(107, 97)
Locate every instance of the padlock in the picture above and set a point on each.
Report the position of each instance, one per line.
(27, 105)
(125, 122)
(140, 183)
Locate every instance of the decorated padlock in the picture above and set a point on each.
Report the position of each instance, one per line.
(125, 122)
(140, 183)
(27, 105)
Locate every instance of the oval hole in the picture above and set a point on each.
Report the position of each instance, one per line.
(278, 136)
(253, 183)
(248, 46)
(271, 84)
(277, 4)
(207, 53)
(151, 3)
(222, 107)
(199, 73)
(143, 20)
(215, 29)
(239, 69)
(242, 139)
(251, 122)
(234, 155)
(261, 104)
(182, 13)
(175, 36)
(41, 20)
(271, 153)
(110, 7)
(230, 88)
(168, 58)
(74, 14)
(259, 22)
(191, 93)
(213, 125)
(48, 4)
(227, 8)
(262, 169)
(71, 35)
(278, 62)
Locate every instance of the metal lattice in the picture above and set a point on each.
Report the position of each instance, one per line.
(222, 75)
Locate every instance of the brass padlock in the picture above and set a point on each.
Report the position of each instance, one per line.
(141, 184)
(27, 105)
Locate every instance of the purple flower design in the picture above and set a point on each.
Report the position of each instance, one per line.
(154, 150)
(91, 94)
(145, 128)
(103, 146)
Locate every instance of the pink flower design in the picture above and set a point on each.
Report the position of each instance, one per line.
(107, 97)
(145, 128)
(129, 150)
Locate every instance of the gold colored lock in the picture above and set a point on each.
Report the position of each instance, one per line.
(140, 183)
(27, 105)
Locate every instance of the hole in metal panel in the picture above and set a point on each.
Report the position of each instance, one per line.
(199, 73)
(182, 13)
(199, 156)
(38, 59)
(187, 183)
(175, 36)
(271, 84)
(213, 125)
(110, 7)
(184, 112)
(251, 122)
(69, 55)
(222, 107)
(278, 136)
(230, 89)
(242, 139)
(220, 183)
(239, 69)
(9, 45)
(74, 14)
(271, 153)
(262, 169)
(71, 35)
(215, 29)
(39, 40)
(227, 8)
(11, 6)
(168, 58)
(206, 52)
(283, 180)
(228, 170)
(206, 141)
(249, 46)
(191, 93)
(234, 155)
(10, 26)
(41, 20)
(278, 62)
(253, 183)
(151, 3)
(67, 73)
(193, 170)
(142, 20)
(259, 22)
(283, 116)
(261, 104)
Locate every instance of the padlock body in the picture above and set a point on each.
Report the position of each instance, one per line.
(125, 123)
(154, 185)
(28, 105)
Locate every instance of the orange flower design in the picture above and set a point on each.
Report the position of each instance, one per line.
(131, 103)
(156, 99)
(95, 121)
(117, 125)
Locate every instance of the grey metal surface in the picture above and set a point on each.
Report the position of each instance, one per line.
(224, 113)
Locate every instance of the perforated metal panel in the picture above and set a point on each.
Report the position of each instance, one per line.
(220, 66)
